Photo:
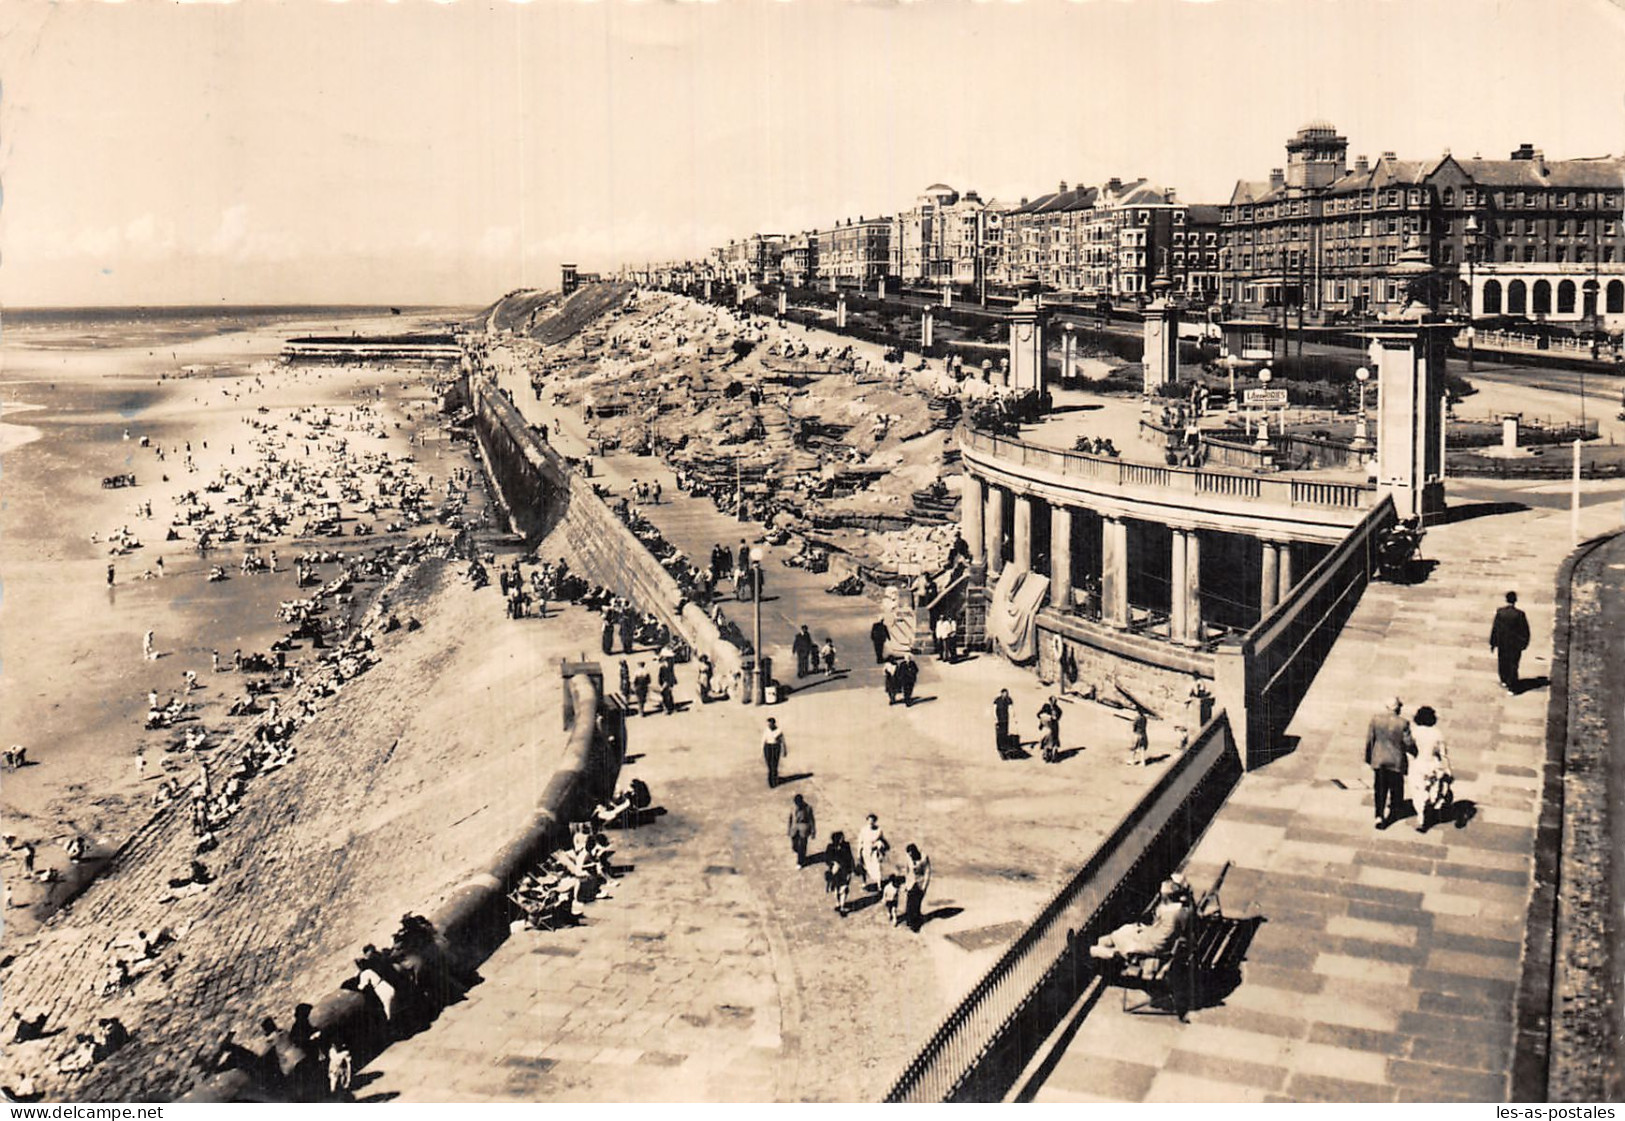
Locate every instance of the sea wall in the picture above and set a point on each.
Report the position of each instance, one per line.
(473, 919)
(546, 497)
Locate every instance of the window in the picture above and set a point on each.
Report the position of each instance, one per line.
(1528, 253)
(1562, 227)
(1414, 198)
(1365, 255)
(1393, 198)
(1447, 254)
(1450, 196)
(1470, 198)
(1608, 229)
(1511, 253)
(1562, 254)
(1449, 226)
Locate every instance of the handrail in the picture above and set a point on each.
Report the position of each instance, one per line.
(1125, 473)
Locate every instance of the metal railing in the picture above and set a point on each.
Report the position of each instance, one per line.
(967, 1058)
(1194, 481)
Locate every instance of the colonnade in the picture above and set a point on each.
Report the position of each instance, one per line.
(988, 508)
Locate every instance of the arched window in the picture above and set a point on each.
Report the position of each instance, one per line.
(1492, 297)
(1542, 304)
(1565, 298)
(1616, 297)
(1517, 298)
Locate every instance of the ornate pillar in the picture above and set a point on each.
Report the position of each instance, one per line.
(1192, 590)
(1114, 572)
(972, 504)
(1060, 556)
(1022, 535)
(995, 529)
(1270, 583)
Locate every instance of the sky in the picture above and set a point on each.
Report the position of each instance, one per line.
(416, 152)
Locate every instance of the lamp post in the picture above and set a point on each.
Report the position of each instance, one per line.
(1230, 368)
(1471, 229)
(1362, 434)
(756, 600)
(1264, 376)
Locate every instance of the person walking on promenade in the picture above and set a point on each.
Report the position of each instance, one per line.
(878, 634)
(1509, 638)
(1001, 721)
(1139, 748)
(640, 686)
(802, 648)
(110, 571)
(1049, 730)
(607, 629)
(838, 868)
(629, 625)
(908, 675)
(915, 882)
(803, 827)
(829, 656)
(147, 650)
(946, 630)
(872, 850)
(1433, 770)
(891, 681)
(1388, 746)
(626, 681)
(774, 749)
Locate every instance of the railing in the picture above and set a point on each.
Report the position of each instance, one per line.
(980, 1047)
(1122, 473)
(1263, 678)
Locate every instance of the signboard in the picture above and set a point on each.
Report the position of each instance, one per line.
(1265, 398)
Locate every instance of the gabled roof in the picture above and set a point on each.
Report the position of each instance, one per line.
(1249, 191)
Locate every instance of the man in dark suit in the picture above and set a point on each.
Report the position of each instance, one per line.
(1509, 638)
(1388, 747)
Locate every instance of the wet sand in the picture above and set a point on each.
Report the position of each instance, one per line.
(73, 682)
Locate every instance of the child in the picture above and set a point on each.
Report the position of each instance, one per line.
(889, 893)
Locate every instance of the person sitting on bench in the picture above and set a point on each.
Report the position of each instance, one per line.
(1136, 940)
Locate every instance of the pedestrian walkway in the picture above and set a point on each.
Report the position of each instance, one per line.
(1387, 964)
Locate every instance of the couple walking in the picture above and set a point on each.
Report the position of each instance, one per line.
(907, 887)
(1390, 742)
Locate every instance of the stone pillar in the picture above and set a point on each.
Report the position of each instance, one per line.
(880, 288)
(1161, 361)
(1192, 591)
(1114, 572)
(1022, 534)
(840, 312)
(1177, 579)
(1289, 575)
(784, 301)
(995, 528)
(1026, 347)
(972, 505)
(1069, 351)
(1410, 418)
(1270, 583)
(928, 331)
(1060, 556)
(947, 295)
(1509, 432)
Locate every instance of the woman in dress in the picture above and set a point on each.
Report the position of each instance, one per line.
(838, 870)
(1433, 769)
(872, 850)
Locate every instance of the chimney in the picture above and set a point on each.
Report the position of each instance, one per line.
(1168, 195)
(1524, 152)
(1277, 179)
(1361, 165)
(1388, 155)
(1063, 187)
(1114, 184)
(1023, 200)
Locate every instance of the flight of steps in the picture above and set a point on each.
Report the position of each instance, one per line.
(936, 509)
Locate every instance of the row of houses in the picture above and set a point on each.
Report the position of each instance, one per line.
(1318, 240)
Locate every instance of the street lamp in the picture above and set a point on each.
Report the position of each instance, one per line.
(1229, 361)
(1362, 435)
(1471, 229)
(1264, 376)
(756, 599)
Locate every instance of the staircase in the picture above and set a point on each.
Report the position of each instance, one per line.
(973, 615)
(931, 508)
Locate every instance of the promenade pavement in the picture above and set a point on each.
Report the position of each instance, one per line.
(720, 972)
(1387, 963)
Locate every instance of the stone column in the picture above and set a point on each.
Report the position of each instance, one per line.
(840, 312)
(995, 529)
(1069, 345)
(1114, 572)
(972, 505)
(1178, 577)
(880, 288)
(1270, 584)
(1022, 534)
(1289, 575)
(1060, 556)
(928, 331)
(784, 301)
(1192, 591)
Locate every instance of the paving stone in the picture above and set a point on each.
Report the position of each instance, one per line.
(1260, 1076)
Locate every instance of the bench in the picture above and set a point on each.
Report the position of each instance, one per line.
(1168, 981)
